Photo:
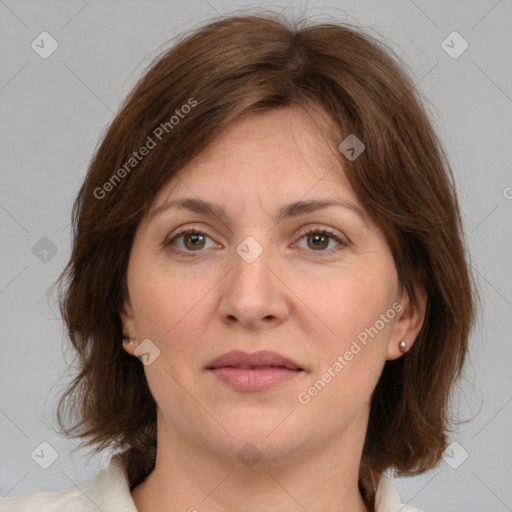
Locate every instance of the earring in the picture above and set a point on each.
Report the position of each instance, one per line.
(127, 339)
(402, 346)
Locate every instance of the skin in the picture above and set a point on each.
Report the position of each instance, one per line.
(305, 302)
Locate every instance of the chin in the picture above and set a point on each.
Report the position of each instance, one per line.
(262, 437)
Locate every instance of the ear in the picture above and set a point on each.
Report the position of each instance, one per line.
(408, 323)
(128, 324)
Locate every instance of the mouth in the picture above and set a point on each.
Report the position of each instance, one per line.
(254, 372)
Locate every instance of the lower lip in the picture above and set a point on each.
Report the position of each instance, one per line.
(254, 380)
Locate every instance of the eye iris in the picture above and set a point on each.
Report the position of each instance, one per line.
(194, 241)
(318, 237)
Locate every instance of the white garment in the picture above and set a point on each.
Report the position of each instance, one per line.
(109, 491)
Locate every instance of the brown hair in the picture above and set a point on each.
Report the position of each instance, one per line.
(246, 64)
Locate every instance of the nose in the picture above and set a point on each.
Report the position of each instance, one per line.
(253, 296)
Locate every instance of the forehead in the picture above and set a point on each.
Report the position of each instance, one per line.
(278, 155)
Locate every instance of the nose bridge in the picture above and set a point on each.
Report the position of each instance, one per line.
(251, 260)
(251, 276)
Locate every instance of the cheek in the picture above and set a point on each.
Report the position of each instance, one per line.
(359, 312)
(351, 361)
(352, 353)
(168, 308)
(355, 303)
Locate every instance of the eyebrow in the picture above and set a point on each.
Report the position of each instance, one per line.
(287, 211)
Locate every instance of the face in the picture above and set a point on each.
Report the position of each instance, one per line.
(248, 272)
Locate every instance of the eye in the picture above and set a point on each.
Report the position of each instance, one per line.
(321, 239)
(190, 240)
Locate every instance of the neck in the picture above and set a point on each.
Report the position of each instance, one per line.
(188, 478)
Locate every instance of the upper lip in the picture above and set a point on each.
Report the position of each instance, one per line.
(265, 358)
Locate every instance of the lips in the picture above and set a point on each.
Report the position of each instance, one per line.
(262, 360)
(255, 372)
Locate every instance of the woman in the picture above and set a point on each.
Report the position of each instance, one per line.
(268, 290)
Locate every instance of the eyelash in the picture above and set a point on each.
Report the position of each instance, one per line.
(323, 231)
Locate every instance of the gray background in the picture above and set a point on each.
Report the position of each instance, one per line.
(53, 111)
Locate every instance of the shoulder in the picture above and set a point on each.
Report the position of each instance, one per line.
(44, 501)
(108, 491)
(387, 498)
